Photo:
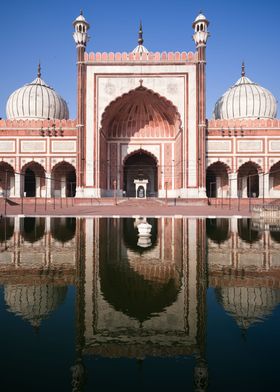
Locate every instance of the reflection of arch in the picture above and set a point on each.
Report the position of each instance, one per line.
(32, 179)
(130, 234)
(275, 235)
(248, 179)
(6, 228)
(32, 229)
(274, 178)
(138, 284)
(246, 232)
(7, 179)
(217, 179)
(218, 230)
(63, 180)
(140, 165)
(129, 292)
(63, 229)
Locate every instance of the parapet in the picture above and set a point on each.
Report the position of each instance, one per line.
(156, 57)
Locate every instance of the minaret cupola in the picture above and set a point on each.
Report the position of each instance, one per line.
(201, 34)
(80, 34)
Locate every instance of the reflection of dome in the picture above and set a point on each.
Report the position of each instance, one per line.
(246, 99)
(248, 305)
(36, 100)
(34, 303)
(133, 293)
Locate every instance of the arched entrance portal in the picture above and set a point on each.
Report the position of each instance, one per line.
(144, 118)
(140, 166)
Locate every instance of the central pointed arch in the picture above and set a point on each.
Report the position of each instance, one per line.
(144, 118)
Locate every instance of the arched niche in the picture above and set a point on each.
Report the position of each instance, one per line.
(63, 180)
(217, 181)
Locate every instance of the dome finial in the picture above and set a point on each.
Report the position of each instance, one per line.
(81, 12)
(140, 34)
(39, 70)
(243, 69)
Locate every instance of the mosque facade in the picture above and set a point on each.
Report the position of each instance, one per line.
(141, 130)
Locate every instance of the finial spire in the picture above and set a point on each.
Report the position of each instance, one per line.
(81, 12)
(243, 69)
(140, 34)
(39, 71)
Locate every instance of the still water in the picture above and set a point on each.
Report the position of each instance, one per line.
(139, 304)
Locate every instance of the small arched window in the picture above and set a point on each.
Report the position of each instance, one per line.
(80, 28)
(197, 28)
(201, 27)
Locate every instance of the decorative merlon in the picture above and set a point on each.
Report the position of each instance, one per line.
(38, 124)
(163, 57)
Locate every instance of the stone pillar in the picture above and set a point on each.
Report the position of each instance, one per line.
(244, 187)
(232, 178)
(266, 186)
(218, 187)
(38, 186)
(12, 186)
(261, 184)
(17, 185)
(63, 186)
(48, 186)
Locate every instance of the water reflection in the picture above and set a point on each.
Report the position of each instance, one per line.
(135, 301)
(33, 303)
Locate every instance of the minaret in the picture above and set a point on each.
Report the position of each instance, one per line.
(200, 36)
(81, 38)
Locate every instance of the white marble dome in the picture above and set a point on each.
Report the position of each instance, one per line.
(36, 100)
(246, 99)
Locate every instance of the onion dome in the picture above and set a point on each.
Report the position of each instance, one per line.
(246, 99)
(248, 305)
(140, 48)
(36, 100)
(34, 303)
(200, 18)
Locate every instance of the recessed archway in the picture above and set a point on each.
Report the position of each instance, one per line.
(274, 180)
(139, 114)
(248, 180)
(140, 165)
(7, 179)
(63, 180)
(32, 179)
(217, 180)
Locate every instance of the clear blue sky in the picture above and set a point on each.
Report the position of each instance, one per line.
(34, 30)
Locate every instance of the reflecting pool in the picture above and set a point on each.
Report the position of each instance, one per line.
(139, 304)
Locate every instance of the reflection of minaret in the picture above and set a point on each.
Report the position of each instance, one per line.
(201, 368)
(78, 369)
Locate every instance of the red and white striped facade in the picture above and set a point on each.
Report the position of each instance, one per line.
(141, 105)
